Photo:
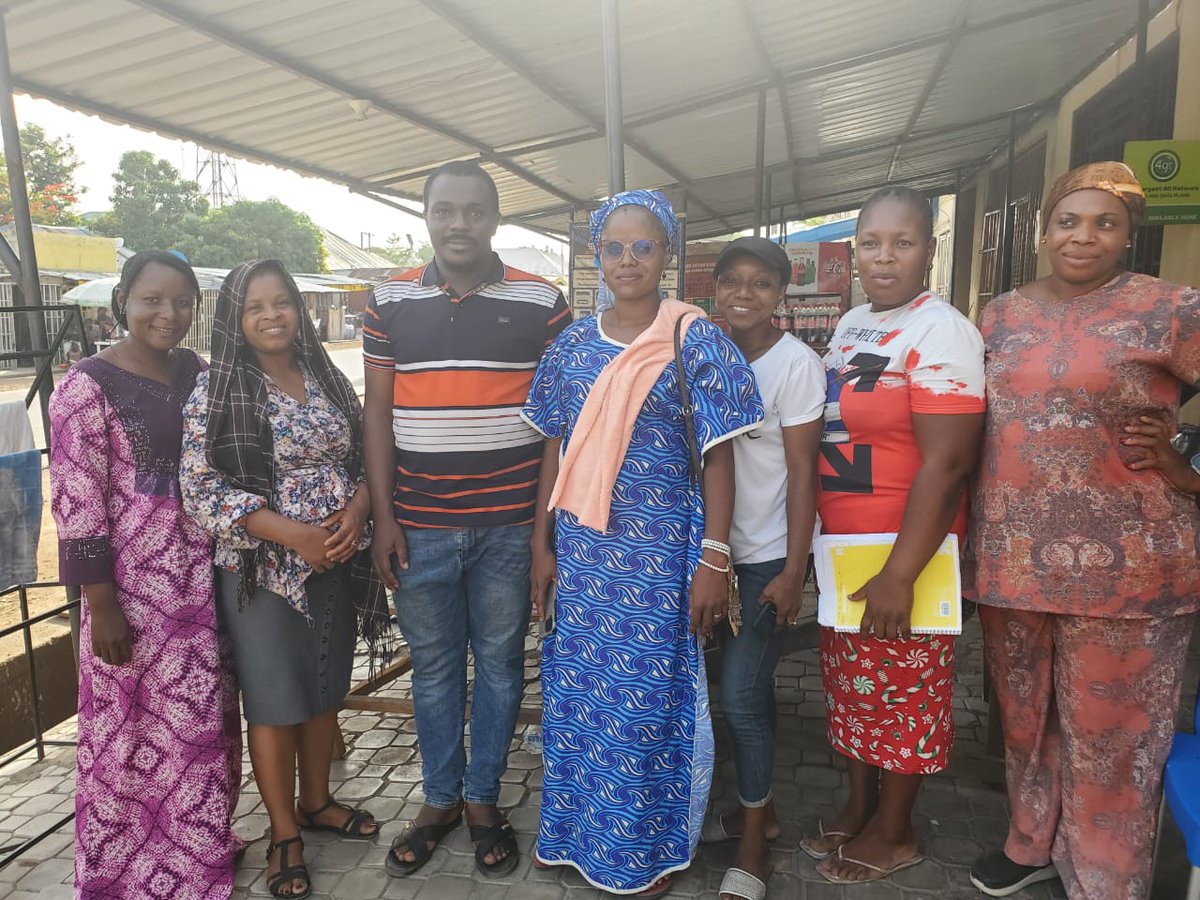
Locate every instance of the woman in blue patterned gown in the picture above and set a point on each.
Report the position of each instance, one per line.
(628, 738)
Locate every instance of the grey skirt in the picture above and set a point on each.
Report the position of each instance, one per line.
(289, 670)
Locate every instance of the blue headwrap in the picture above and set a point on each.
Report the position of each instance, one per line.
(656, 202)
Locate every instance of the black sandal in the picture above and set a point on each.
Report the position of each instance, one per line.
(352, 828)
(415, 839)
(288, 873)
(489, 838)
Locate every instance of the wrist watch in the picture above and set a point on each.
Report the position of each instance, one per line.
(1194, 462)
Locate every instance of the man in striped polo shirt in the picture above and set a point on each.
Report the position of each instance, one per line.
(450, 351)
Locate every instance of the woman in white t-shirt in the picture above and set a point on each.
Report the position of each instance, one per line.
(773, 516)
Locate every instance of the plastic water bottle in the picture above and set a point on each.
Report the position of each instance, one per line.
(532, 742)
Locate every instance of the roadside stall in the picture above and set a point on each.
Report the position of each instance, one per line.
(819, 293)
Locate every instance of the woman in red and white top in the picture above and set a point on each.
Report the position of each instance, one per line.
(904, 411)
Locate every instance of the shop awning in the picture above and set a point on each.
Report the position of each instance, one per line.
(375, 93)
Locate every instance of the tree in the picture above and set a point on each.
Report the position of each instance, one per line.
(48, 162)
(401, 253)
(154, 208)
(251, 230)
(49, 177)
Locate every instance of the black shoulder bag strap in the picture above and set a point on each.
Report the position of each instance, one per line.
(689, 420)
(694, 468)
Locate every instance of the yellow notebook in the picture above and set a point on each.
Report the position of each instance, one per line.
(845, 562)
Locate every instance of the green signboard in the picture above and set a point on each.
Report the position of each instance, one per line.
(1169, 172)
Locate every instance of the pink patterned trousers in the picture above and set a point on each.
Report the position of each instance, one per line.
(1088, 707)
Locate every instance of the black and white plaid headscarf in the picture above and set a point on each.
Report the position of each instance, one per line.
(239, 438)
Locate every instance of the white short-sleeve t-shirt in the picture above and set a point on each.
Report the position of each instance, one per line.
(791, 381)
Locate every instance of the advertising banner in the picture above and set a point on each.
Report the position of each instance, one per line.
(822, 268)
(1169, 172)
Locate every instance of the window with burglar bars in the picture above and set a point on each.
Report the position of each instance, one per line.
(1028, 175)
(988, 250)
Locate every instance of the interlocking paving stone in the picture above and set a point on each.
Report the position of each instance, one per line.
(446, 887)
(960, 813)
(46, 875)
(364, 882)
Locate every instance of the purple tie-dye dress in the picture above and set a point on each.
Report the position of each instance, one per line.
(159, 760)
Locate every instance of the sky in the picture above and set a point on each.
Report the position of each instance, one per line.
(100, 145)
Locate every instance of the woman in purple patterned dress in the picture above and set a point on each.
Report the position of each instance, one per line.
(159, 757)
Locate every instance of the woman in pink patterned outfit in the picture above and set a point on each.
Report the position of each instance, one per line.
(159, 758)
(1086, 530)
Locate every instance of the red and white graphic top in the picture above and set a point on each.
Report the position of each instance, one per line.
(881, 367)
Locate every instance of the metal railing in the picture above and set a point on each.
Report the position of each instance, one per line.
(39, 742)
(43, 377)
(71, 318)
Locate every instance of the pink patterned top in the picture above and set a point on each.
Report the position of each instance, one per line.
(1059, 524)
(159, 753)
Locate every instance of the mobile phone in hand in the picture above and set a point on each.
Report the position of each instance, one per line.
(548, 623)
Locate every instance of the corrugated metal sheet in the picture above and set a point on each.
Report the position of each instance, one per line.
(341, 255)
(876, 89)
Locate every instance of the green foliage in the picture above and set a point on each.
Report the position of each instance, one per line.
(50, 177)
(400, 253)
(154, 207)
(48, 162)
(248, 230)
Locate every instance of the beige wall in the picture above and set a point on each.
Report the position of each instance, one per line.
(943, 232)
(1181, 244)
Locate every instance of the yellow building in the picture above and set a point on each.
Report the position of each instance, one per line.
(1117, 101)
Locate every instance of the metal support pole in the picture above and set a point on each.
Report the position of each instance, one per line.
(681, 287)
(1004, 279)
(613, 112)
(26, 273)
(760, 153)
(1143, 70)
(954, 237)
(767, 204)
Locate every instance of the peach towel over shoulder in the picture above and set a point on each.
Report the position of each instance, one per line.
(601, 436)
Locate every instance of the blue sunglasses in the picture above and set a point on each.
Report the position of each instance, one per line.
(641, 250)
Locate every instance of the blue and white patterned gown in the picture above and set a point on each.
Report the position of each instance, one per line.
(628, 747)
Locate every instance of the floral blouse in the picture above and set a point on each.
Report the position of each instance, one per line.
(311, 442)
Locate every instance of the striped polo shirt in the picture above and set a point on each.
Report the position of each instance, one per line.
(463, 366)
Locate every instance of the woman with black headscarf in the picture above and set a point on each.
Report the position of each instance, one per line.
(272, 468)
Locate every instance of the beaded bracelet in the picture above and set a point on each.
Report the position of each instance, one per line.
(710, 544)
(707, 564)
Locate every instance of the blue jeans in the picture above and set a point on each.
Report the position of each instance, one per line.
(465, 585)
(748, 684)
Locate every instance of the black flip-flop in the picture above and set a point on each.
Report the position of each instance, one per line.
(352, 828)
(415, 839)
(489, 838)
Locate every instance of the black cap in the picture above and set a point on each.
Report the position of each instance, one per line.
(767, 252)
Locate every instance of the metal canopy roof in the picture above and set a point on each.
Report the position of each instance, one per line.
(859, 92)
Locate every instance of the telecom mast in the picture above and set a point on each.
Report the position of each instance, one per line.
(217, 176)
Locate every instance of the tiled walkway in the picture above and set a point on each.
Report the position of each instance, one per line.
(961, 813)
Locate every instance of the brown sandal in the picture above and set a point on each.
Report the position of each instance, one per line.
(351, 828)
